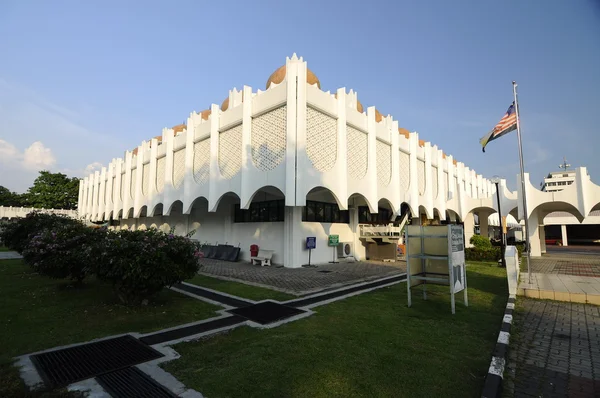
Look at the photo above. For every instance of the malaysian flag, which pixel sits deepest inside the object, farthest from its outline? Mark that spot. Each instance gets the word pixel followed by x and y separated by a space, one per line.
pixel 507 124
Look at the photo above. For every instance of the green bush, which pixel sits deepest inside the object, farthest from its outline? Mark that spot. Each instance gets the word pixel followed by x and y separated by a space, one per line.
pixel 141 263
pixel 65 251
pixel 16 235
pixel 478 254
pixel 480 242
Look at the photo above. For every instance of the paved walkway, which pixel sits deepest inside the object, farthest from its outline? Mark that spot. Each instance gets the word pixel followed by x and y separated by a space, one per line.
pixel 9 255
pixel 564 276
pixel 555 351
pixel 301 281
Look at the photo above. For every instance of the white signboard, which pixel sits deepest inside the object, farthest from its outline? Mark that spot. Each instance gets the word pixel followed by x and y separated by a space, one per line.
pixel 457 254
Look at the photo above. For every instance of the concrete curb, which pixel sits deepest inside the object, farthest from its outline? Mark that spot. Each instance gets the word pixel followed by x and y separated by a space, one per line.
pixel 493 381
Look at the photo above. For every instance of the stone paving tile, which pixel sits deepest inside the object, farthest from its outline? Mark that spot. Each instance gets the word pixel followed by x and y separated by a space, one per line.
pixel 9 255
pixel 557 263
pixel 301 280
pixel 552 351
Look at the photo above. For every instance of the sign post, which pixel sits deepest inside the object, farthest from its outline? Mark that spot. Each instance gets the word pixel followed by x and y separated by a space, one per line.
pixel 311 243
pixel 334 241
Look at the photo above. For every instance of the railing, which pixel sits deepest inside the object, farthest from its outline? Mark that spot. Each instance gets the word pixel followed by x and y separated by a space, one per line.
pixel 18 212
pixel 379 231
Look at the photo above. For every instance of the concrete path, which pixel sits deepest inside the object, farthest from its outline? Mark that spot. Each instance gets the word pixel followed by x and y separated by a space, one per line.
pixel 300 281
pixel 555 351
pixel 9 255
pixel 563 276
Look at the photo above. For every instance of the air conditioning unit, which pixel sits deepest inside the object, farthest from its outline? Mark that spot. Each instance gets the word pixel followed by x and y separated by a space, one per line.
pixel 345 249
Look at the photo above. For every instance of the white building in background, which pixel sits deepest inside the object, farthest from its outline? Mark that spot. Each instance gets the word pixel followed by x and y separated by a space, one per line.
pixel 274 167
pixel 558 180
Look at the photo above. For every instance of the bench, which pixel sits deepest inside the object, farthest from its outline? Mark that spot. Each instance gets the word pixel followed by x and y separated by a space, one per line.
pixel 264 256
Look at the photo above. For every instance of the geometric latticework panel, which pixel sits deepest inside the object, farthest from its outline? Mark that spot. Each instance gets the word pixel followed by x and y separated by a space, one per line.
pixel 384 163
pixel 178 168
pixel 357 145
pixel 269 139
pixel 434 179
pixel 230 152
pixel 321 139
pixel 133 182
pixel 445 176
pixel 105 192
pixel 404 163
pixel 146 179
pixel 421 176
pixel 202 161
pixel 160 173
pixel 112 191
pixel 122 186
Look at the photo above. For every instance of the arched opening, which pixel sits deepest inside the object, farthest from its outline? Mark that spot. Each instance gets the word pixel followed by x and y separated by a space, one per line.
pixel 143 212
pixel 130 213
pixel 452 217
pixel 157 210
pixel 176 209
pixel 565 228
pixel 323 206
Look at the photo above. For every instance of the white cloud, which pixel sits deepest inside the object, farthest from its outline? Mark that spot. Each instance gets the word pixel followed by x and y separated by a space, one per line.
pixel 92 167
pixel 38 157
pixel 34 158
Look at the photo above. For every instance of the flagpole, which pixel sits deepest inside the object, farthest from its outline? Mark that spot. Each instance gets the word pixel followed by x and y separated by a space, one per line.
pixel 527 243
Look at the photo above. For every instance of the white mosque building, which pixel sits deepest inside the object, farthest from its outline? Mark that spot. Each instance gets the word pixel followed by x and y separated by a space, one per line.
pixel 273 167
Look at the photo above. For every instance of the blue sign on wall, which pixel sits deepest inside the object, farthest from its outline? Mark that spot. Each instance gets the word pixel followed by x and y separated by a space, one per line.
pixel 311 242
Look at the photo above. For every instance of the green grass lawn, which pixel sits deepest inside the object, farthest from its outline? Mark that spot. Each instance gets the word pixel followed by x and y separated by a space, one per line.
pixel 239 289
pixel 4 249
pixel 37 313
pixel 370 345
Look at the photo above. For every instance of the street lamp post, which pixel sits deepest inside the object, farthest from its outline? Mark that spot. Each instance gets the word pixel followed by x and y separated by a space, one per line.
pixel 496 181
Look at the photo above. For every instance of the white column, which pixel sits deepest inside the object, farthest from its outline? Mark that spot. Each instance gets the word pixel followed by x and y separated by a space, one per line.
pixel 469 225
pixel 293 254
pixel 534 235
pixel 483 224
pixel 542 239
pixel 563 231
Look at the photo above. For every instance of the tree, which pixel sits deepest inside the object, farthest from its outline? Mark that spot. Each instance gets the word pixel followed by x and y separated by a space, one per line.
pixel 8 198
pixel 53 191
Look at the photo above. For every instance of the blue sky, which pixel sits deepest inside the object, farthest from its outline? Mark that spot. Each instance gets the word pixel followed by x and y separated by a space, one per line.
pixel 81 82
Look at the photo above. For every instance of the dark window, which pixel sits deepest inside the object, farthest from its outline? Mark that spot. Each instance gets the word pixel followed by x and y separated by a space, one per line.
pixel 270 211
pixel 324 212
pixel 365 217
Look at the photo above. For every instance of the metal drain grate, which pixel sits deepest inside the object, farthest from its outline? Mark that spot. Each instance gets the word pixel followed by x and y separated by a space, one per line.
pixel 132 383
pixel 62 367
pixel 266 312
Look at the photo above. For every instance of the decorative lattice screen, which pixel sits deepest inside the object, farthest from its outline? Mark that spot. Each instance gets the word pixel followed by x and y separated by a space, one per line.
pixel 269 139
pixel 230 152
pixel 145 179
pixel 178 168
pixel 202 161
pixel 404 161
pixel 384 163
pixel 421 176
pixel 160 173
pixel 357 145
pixel 321 139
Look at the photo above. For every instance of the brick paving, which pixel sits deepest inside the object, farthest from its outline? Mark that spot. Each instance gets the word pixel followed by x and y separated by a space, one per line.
pixel 559 263
pixel 301 281
pixel 555 350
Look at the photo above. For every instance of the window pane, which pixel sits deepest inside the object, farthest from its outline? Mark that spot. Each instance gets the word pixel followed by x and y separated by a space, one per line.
pixel 345 216
pixel 310 211
pixel 328 210
pixel 335 216
pixel 319 211
pixel 281 211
